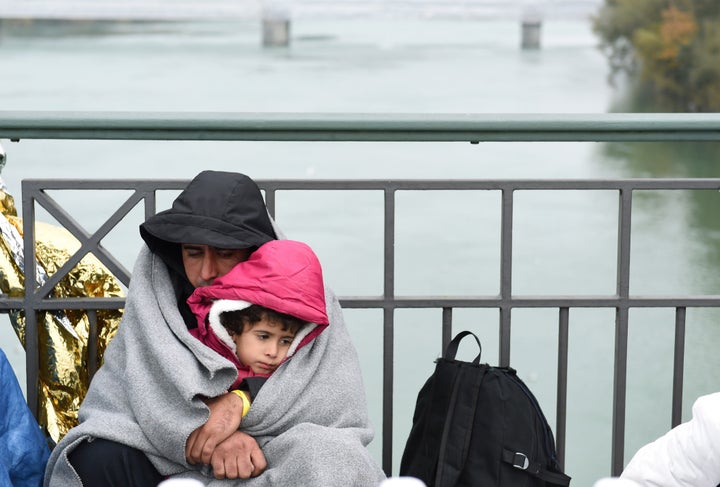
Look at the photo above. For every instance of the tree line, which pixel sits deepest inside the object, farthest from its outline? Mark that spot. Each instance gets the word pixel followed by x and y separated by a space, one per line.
pixel 671 48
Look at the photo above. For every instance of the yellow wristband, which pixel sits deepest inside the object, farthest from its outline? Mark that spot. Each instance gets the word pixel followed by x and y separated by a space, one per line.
pixel 245 399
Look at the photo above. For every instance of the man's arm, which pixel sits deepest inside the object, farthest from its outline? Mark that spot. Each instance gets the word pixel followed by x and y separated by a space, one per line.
pixel 224 420
pixel 232 453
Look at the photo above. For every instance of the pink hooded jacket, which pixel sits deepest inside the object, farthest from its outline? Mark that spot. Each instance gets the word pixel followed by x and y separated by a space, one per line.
pixel 282 275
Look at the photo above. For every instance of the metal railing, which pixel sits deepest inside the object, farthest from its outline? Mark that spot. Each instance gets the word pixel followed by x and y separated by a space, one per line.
pixel 279 127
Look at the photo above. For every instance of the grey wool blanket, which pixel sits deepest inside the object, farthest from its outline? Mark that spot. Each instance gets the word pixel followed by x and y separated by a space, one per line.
pixel 310 417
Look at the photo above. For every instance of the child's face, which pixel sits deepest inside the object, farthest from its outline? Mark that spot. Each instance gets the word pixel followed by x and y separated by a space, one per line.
pixel 263 346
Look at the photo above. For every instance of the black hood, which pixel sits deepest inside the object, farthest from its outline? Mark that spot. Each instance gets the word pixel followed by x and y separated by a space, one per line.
pixel 221 209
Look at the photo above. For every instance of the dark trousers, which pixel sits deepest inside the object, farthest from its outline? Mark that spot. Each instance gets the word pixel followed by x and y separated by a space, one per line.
pixel 101 463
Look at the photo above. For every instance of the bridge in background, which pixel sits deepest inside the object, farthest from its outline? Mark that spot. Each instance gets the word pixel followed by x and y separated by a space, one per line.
pixel 254 9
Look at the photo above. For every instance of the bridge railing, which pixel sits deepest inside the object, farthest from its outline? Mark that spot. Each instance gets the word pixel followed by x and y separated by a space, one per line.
pixel 396 128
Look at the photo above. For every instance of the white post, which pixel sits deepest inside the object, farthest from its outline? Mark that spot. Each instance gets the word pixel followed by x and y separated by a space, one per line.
pixel 531 27
pixel 275 24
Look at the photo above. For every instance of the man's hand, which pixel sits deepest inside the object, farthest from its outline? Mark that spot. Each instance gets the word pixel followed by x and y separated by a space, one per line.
pixel 224 420
pixel 238 457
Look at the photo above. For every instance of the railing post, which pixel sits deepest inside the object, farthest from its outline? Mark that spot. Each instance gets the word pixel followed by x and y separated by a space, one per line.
pixel 678 366
pixel 561 416
pixel 506 234
pixel 388 330
pixel 446 328
pixel 32 355
pixel 92 343
pixel 621 331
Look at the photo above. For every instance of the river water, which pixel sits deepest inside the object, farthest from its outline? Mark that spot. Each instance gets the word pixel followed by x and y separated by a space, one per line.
pixel 564 242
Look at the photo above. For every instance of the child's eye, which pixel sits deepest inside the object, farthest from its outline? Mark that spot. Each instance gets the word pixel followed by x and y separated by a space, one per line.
pixel 286 341
pixel 262 336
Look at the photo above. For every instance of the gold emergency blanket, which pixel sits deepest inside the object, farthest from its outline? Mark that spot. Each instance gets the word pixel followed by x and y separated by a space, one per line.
pixel 63 335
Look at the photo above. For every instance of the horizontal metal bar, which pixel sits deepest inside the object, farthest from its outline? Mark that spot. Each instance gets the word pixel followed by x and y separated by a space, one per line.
pixel 67 303
pixel 32 186
pixel 360 302
pixel 7 304
pixel 532 301
pixel 359 126
pixel 393 185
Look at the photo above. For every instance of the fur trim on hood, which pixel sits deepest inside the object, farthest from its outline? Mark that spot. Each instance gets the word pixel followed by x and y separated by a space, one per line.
pixel 218 307
pixel 222 305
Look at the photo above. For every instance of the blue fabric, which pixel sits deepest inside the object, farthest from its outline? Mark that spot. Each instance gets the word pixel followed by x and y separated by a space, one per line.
pixel 23 450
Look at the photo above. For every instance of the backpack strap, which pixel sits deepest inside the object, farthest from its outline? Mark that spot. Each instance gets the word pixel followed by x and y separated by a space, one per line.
pixel 460 414
pixel 458 426
pixel 521 461
pixel 452 347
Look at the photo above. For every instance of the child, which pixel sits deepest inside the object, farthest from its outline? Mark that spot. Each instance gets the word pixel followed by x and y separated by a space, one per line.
pixel 261 337
pixel 261 312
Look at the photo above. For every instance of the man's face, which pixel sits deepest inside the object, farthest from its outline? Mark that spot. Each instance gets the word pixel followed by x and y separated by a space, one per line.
pixel 203 264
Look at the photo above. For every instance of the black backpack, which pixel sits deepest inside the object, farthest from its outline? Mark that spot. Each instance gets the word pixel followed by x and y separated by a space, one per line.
pixel 478 425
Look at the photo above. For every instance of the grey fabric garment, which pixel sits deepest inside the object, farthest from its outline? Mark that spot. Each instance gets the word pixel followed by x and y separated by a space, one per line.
pixel 310 417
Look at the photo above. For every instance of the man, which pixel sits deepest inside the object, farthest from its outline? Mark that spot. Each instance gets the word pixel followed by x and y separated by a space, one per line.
pixel 158 406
